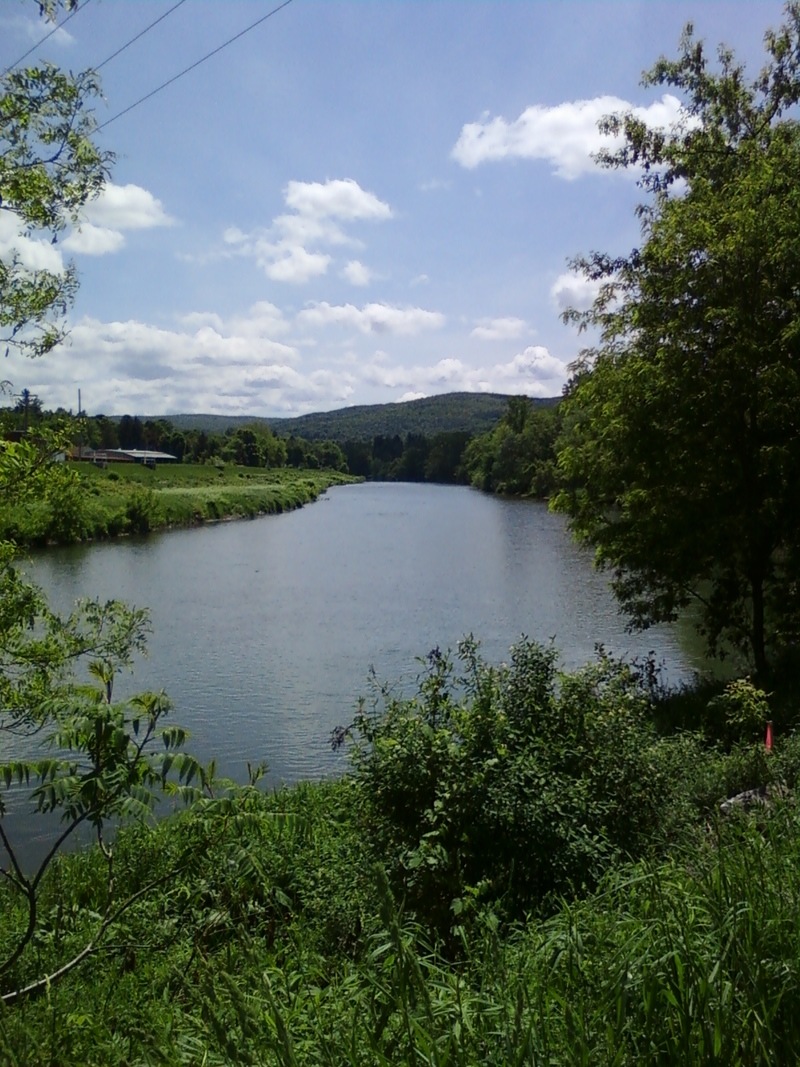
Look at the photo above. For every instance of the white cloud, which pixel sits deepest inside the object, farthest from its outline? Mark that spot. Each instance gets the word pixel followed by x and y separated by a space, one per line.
pixel 262 320
pixel 33 252
pixel 435 185
pixel 142 350
pixel 94 240
pixel 507 329
pixel 35 29
pixel 257 363
pixel 126 207
pixel 198 319
pixel 289 250
pixel 373 318
pixel 532 372
pixel 356 273
pixel 565 135
pixel 342 199
pixel 306 229
pixel 571 290
pixel 291 263
pixel 114 209
pixel 204 363
pixel 421 279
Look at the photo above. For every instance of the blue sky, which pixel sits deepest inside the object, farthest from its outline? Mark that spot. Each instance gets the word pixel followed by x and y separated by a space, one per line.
pixel 356 202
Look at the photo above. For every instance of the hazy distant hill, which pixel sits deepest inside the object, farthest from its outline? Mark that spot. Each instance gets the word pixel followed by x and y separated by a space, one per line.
pixel 471 412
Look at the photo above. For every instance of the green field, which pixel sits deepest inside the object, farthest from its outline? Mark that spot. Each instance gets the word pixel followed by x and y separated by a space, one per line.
pixel 89 502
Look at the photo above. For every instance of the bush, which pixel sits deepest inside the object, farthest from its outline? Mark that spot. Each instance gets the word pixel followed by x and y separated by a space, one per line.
pixel 511 784
pixel 141 510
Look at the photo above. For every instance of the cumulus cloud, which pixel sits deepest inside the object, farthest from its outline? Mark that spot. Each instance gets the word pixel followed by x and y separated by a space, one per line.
pixel 94 240
pixel 373 318
pixel 114 209
pixel 260 362
pixel 508 329
pixel 533 372
pixel 571 290
pixel 342 199
pixel 33 252
pixel 566 135
pixel 126 207
pixel 289 250
pixel 262 320
pixel 205 362
pixel 291 263
pixel 357 273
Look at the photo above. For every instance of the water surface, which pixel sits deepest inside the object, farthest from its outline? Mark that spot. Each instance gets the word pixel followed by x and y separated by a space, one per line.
pixel 264 631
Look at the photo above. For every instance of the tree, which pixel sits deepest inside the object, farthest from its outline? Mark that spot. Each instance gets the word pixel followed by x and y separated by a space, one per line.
pixel 681 450
pixel 84 758
pixel 49 168
pixel 28 406
pixel 518 456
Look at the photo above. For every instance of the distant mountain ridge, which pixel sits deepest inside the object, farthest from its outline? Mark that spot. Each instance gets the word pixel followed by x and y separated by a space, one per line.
pixel 445 413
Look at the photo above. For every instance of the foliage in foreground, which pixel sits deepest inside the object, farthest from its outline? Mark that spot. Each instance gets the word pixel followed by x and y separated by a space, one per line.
pixel 281 942
pixel 516 784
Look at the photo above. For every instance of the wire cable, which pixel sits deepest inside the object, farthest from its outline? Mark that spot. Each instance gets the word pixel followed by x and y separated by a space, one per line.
pixel 133 40
pixel 46 37
pixel 192 66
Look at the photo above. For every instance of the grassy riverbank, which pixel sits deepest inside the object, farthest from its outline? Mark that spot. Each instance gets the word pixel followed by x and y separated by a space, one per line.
pixel 93 503
pixel 533 869
pixel 274 938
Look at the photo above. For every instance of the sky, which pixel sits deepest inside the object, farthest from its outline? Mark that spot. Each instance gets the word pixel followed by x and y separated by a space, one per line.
pixel 356 202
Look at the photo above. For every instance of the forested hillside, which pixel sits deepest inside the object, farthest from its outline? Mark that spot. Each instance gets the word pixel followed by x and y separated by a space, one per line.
pixel 449 413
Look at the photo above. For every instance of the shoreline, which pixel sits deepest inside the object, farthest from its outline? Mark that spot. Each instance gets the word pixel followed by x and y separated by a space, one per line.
pixel 132 502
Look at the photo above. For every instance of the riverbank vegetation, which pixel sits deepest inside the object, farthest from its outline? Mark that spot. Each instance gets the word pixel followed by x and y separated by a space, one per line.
pixel 84 502
pixel 520 866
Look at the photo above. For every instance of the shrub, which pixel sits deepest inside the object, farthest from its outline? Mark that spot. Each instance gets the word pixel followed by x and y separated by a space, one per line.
pixel 141 510
pixel 512 784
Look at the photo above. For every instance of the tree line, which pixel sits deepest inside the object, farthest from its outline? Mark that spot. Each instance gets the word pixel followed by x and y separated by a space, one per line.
pixel 516 457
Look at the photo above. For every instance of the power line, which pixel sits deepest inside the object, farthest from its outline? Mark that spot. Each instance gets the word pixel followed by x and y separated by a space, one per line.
pixel 133 40
pixel 46 37
pixel 192 66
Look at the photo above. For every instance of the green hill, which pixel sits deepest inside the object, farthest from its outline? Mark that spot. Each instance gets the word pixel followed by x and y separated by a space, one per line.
pixel 447 413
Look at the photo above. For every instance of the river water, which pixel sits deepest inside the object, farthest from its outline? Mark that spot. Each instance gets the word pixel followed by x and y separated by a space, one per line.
pixel 264 631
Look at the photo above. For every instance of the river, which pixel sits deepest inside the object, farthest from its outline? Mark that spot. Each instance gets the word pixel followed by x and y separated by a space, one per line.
pixel 264 631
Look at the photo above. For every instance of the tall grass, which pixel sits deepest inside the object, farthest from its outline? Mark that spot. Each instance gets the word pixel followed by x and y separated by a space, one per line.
pixel 694 960
pixel 280 928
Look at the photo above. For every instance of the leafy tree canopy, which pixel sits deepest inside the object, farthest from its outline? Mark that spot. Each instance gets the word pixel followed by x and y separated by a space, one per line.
pixel 681 452
pixel 80 756
pixel 49 168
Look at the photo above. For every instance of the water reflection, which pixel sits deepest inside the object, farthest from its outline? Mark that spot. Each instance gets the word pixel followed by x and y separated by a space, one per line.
pixel 264 631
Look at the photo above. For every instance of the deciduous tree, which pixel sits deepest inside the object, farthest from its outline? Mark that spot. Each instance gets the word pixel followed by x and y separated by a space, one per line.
pixel 681 454
pixel 49 168
pixel 79 755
